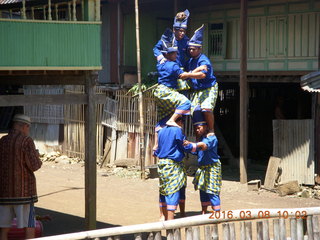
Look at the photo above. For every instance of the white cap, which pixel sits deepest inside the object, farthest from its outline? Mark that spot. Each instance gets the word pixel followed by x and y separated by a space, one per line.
pixel 22 118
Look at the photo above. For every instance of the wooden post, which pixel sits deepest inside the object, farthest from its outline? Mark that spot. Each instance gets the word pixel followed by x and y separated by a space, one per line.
pixel 44 13
pixel 141 117
pixel 232 231
pixel 24 15
pixel 215 234
pixel 138 236
pixel 69 11
pixel 242 231
pixel 243 92
pixel 32 13
pixel 97 10
pixel 74 10
pixel 276 229
pixel 90 155
pixel 248 230
pixel 56 9
pixel 49 10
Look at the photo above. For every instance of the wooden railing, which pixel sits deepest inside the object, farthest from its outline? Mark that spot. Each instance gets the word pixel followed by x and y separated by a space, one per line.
pixel 303 222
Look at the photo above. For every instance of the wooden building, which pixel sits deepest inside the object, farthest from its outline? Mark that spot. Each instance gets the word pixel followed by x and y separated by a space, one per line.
pixel 54 43
pixel 282 44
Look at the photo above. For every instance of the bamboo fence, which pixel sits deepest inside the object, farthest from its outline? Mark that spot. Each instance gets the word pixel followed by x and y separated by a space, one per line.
pixel 74 127
pixel 243 224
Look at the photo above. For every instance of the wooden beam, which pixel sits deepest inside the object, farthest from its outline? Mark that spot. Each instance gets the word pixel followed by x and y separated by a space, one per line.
pixel 42 80
pixel 243 92
pixel 263 73
pixel 56 99
pixel 90 155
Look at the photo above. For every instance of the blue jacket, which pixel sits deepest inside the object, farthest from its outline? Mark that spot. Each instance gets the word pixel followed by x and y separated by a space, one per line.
pixel 169 72
pixel 182 56
pixel 206 82
pixel 170 144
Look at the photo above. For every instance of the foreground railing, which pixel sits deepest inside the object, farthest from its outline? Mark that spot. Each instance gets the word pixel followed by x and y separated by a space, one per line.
pixel 303 225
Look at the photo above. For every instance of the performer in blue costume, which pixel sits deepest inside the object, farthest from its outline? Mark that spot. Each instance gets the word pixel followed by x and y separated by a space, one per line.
pixel 172 176
pixel 203 81
pixel 180 25
pixel 168 99
pixel 208 176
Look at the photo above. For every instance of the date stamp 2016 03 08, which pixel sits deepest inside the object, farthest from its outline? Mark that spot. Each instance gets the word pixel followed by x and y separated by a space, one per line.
pixel 247 214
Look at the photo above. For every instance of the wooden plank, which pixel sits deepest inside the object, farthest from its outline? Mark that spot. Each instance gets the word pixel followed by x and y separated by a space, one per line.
pixel 157 236
pixel 242 231
pixel 293 228
pixel 196 232
pixel 272 172
pixel 170 234
pixel 315 226
pixel 42 80
pixel 248 230
pixel 243 92
pixel 310 228
pixel 266 230
pixel 113 145
pixel 207 232
pixel 282 226
pixel 90 156
pixel 138 236
pixel 176 234
pixel 232 231
pixel 300 228
pixel 276 229
pixel 226 231
pixel 54 99
pixel 188 233
pixel 259 230
pixel 215 234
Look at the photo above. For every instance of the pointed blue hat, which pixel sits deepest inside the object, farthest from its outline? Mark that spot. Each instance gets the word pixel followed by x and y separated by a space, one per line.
pixel 197 37
pixel 181 19
pixel 198 117
pixel 168 42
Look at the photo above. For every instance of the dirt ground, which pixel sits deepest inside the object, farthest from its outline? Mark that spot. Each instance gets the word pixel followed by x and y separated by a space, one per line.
pixel 129 200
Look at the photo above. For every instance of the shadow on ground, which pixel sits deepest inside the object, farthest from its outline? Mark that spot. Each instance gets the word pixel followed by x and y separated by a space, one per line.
pixel 62 223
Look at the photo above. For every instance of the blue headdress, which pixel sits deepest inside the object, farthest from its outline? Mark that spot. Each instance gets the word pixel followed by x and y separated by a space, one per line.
pixel 181 19
pixel 197 37
pixel 198 117
pixel 168 42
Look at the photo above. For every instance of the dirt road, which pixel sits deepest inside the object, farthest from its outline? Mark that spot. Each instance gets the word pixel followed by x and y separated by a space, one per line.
pixel 125 201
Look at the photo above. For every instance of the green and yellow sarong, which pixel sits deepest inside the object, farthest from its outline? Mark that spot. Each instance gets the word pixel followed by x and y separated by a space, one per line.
pixel 205 98
pixel 172 176
pixel 208 178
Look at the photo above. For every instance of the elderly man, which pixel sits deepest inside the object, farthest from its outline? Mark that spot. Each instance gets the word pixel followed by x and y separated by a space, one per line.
pixel 19 159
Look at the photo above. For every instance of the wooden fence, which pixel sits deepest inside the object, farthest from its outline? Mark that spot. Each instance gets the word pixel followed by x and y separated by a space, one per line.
pixel 245 224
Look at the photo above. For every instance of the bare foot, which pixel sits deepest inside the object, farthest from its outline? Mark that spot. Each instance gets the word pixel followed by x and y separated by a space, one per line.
pixel 162 218
pixel 172 123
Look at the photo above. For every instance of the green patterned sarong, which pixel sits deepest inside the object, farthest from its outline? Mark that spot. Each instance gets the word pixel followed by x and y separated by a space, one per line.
pixel 172 176
pixel 208 178
pixel 205 98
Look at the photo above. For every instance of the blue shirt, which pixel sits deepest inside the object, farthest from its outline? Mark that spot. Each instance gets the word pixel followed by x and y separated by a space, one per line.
pixel 210 155
pixel 182 57
pixel 170 144
pixel 169 72
pixel 206 82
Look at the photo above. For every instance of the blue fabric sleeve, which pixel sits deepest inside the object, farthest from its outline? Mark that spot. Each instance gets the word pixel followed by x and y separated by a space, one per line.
pixel 157 49
pixel 210 142
pixel 176 70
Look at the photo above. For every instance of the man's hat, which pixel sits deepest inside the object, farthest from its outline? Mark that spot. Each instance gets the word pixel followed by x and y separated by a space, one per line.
pixel 168 42
pixel 198 117
pixel 197 37
pixel 21 118
pixel 181 19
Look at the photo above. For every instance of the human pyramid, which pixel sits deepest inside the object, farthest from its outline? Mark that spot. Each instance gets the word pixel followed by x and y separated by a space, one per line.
pixel 182 66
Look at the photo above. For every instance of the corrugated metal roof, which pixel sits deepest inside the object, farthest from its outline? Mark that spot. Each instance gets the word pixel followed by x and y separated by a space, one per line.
pixel 311 82
pixel 9 1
